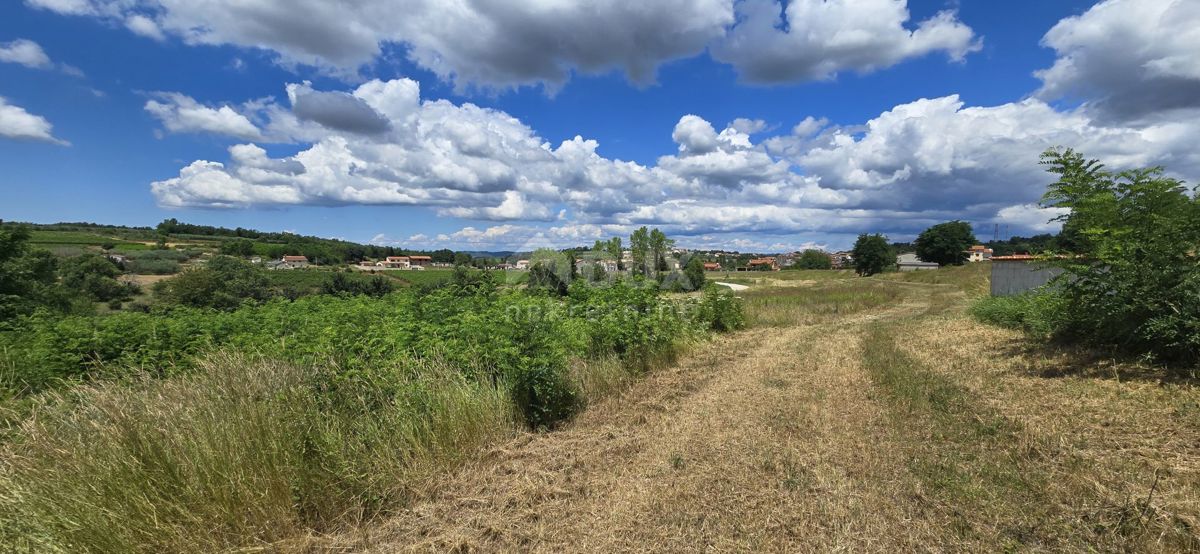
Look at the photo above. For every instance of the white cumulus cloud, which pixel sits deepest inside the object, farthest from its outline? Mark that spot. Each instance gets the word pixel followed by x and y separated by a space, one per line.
pixel 16 123
pixel 1129 59
pixel 817 39
pixel 507 43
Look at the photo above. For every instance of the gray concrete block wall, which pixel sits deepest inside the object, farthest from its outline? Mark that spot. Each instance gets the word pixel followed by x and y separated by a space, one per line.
pixel 1011 277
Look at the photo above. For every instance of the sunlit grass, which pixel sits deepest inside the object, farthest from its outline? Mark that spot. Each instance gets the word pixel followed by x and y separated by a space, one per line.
pixel 783 306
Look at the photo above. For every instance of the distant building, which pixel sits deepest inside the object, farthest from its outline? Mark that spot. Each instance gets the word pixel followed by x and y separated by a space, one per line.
pixel 419 261
pixel 521 264
pixel 289 262
pixel 712 266
pixel 978 253
pixel 910 262
pixel 394 262
pixel 841 260
pixel 760 264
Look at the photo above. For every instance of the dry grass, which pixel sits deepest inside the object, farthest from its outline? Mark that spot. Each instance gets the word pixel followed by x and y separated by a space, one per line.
pixel 800 305
pixel 1124 437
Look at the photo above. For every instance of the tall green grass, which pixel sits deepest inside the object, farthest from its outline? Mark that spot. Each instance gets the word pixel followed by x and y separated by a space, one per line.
pixel 243 452
pixel 1038 313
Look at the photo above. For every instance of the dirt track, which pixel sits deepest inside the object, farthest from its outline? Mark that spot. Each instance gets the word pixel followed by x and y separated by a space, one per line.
pixel 760 440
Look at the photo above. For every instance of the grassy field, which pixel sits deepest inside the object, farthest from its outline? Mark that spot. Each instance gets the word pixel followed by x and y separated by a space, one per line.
pixel 855 414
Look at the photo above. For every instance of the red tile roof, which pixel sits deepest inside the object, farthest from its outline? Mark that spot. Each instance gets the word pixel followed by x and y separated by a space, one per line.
pixel 295 258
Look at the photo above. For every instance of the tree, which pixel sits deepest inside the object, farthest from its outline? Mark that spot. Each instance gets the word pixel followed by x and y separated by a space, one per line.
pixel 1136 282
pixel 614 250
pixel 814 259
pixel 237 247
pixel 550 271
pixel 639 246
pixel 223 283
pixel 872 254
pixel 659 246
pixel 94 276
pixel 598 273
pixel 27 277
pixel 945 243
pixel 694 272
pixel 462 258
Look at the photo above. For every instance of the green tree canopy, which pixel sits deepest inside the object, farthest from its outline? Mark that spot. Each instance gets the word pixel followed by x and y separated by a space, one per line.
pixel 945 243
pixel 872 254
pixel 94 276
pixel 694 271
pixel 1136 283
pixel 814 259
pixel 28 278
pixel 224 283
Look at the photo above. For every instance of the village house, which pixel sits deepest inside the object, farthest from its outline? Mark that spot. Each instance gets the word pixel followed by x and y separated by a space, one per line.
pixel 419 261
pixel 712 266
pixel 763 264
pixel 841 260
pixel 394 262
pixel 521 264
pixel 289 262
pixel 978 253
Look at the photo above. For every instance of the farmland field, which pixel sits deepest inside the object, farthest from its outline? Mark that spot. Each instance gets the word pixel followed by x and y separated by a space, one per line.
pixel 854 414
pixel 858 415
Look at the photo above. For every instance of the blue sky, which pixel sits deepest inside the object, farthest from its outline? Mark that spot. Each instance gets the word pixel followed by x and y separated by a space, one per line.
pixel 888 117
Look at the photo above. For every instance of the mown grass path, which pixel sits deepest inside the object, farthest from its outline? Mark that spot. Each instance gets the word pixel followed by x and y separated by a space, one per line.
pixel 823 436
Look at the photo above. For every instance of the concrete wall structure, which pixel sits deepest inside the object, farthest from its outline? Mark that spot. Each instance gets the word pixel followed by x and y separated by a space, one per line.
pixel 1017 274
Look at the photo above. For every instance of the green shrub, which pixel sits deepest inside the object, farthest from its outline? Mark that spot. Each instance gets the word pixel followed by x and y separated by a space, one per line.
pixel 1038 313
pixel 1135 284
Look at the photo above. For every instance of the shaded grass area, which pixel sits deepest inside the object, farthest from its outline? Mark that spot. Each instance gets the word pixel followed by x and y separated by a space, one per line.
pixel 785 306
pixel 1002 487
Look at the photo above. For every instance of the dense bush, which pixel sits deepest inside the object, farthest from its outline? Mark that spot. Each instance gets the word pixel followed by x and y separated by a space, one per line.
pixel 1136 282
pixel 1037 313
pixel 141 266
pixel 814 259
pixel 524 341
pixel 223 283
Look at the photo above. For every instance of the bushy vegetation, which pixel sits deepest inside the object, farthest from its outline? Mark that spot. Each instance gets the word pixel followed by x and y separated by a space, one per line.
pixel 326 407
pixel 813 259
pixel 1135 282
pixel 500 332
pixel 1038 313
